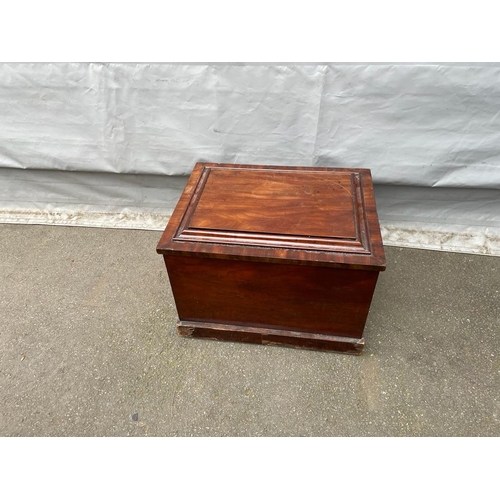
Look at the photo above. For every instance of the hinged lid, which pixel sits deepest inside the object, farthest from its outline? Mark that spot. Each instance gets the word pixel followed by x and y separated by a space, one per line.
pixel 305 215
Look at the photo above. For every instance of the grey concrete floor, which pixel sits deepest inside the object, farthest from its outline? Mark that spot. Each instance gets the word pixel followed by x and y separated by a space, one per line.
pixel 88 347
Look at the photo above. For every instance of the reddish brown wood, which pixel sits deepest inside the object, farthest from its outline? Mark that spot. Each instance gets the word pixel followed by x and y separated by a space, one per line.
pixel 267 295
pixel 267 336
pixel 254 200
pixel 255 249
pixel 364 251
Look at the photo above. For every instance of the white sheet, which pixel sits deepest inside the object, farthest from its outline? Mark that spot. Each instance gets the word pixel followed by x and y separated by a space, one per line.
pixel 413 125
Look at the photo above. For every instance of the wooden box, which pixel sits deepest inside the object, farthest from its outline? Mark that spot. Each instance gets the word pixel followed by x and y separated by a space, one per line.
pixel 275 255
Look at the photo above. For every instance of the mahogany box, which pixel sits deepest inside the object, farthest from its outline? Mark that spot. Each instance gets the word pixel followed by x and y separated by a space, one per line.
pixel 275 255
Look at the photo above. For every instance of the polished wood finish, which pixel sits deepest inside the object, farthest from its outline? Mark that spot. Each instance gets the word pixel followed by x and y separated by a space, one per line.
pixel 189 231
pixel 267 336
pixel 254 200
pixel 275 255
pixel 300 298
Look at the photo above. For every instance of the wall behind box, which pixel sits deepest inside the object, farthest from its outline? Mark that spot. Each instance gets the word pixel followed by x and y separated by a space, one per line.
pixel 111 144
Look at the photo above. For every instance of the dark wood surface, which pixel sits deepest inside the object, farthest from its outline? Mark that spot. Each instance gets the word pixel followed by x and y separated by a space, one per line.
pixel 275 255
pixel 300 298
pixel 302 215
pixel 267 336
pixel 256 200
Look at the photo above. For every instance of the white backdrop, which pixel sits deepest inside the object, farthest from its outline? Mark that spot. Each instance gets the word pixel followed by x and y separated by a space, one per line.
pixel 71 135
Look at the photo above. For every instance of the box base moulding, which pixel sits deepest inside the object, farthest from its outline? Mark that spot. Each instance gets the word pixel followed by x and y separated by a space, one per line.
pixel 265 336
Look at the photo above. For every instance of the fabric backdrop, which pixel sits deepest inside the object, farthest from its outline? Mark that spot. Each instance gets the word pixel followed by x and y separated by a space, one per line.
pixel 129 132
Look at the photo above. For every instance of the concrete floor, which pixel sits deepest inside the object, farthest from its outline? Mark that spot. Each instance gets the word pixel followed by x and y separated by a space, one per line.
pixel 88 347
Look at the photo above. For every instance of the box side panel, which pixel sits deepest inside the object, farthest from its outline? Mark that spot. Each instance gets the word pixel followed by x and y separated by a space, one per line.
pixel 290 297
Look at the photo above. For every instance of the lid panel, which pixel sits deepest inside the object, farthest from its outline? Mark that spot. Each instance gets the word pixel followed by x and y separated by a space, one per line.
pixel 277 202
pixel 304 215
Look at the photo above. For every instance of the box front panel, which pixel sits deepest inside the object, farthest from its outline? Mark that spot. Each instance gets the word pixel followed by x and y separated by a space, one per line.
pixel 281 296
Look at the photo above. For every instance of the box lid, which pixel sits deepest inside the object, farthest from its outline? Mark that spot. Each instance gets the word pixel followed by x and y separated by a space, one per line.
pixel 303 215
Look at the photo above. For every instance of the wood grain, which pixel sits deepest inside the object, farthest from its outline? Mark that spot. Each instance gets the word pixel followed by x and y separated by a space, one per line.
pixel 266 336
pixel 278 202
pixel 275 255
pixel 299 298
pixel 335 201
